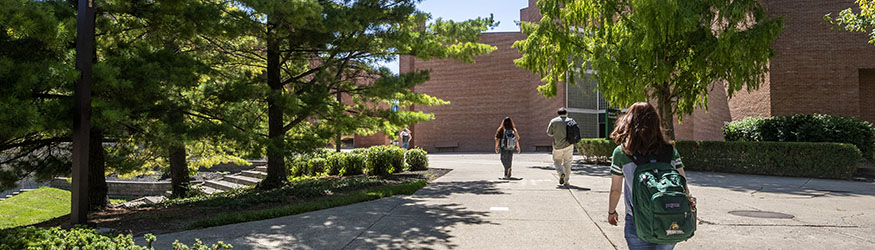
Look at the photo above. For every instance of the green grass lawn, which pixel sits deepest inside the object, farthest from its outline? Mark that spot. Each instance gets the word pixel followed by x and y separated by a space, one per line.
pixel 34 207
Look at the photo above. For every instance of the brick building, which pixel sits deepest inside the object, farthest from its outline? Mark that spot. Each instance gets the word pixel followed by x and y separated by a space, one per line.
pixel 817 70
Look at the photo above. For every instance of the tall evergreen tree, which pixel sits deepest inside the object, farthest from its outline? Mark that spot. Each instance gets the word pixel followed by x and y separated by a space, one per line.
pixel 311 50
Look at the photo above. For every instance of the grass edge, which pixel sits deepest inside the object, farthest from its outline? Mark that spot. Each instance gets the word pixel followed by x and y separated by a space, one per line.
pixel 309 206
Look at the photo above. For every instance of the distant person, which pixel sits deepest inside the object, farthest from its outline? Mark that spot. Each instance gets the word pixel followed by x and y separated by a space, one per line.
pixel 507 141
pixel 640 140
pixel 562 148
pixel 405 137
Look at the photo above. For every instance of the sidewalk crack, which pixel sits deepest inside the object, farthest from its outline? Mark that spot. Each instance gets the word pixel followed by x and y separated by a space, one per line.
pixel 592 220
pixel 372 225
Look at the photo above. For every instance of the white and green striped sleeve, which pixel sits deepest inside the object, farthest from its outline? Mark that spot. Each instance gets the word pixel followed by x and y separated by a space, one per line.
pixel 618 160
pixel 676 160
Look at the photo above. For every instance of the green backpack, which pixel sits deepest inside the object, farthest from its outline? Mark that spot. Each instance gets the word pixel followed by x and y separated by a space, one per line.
pixel 662 210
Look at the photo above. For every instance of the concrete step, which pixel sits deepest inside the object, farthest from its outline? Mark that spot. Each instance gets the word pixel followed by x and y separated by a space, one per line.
pixel 242 180
pixel 258 162
pixel 222 185
pixel 253 174
pixel 262 169
pixel 209 190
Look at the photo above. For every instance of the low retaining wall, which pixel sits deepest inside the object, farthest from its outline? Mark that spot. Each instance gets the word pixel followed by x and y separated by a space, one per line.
pixel 124 189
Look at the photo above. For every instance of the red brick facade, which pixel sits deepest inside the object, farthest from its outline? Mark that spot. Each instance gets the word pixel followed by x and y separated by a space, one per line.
pixel 481 95
pixel 817 70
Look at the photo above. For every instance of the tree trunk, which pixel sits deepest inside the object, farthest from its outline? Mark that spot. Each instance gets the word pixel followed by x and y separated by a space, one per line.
pixel 665 112
pixel 97 189
pixel 337 140
pixel 276 169
pixel 179 179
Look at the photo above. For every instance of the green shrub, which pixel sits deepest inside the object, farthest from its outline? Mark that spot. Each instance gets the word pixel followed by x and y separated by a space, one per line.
pixel 805 128
pixel 334 163
pixel 597 150
pixel 417 159
pixel 744 130
pixel 360 151
pixel 297 165
pixel 801 159
pixel 384 160
pixel 353 164
pixel 316 166
pixel 81 238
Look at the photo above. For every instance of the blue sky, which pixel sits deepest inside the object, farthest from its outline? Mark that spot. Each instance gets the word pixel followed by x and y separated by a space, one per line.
pixel 506 12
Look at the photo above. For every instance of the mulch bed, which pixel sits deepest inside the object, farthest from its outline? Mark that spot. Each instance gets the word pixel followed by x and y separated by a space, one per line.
pixel 158 220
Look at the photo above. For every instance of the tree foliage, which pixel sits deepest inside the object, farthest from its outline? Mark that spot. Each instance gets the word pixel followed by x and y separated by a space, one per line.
pixel 668 51
pixel 36 76
pixel 311 51
pixel 864 21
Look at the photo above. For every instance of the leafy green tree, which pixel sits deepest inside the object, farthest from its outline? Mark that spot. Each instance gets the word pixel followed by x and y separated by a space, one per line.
pixel 668 51
pixel 309 51
pixel 857 22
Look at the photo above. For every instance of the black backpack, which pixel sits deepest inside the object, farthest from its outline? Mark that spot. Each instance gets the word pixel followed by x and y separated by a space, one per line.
pixel 572 131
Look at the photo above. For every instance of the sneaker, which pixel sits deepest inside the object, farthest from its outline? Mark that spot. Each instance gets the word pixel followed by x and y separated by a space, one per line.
pixel 567 184
pixel 562 179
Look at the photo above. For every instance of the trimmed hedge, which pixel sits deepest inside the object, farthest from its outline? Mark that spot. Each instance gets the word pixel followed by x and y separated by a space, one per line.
pixel 82 238
pixel 377 160
pixel 417 159
pixel 800 159
pixel 805 128
pixel 384 160
pixel 334 163
pixel 316 166
pixel 353 164
pixel 597 150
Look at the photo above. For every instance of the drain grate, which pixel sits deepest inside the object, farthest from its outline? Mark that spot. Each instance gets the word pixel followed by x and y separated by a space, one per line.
pixel 761 214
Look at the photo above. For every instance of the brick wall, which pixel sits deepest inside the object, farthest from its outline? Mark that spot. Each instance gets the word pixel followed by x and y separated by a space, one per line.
pixel 481 95
pixel 867 94
pixel 363 141
pixel 817 68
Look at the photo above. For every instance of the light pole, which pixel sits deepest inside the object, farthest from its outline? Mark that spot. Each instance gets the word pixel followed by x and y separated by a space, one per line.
pixel 82 110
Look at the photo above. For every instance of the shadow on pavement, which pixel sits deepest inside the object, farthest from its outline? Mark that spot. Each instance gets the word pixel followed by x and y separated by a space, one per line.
pixel 419 226
pixel 573 187
pixel 444 189
pixel 800 186
pixel 582 169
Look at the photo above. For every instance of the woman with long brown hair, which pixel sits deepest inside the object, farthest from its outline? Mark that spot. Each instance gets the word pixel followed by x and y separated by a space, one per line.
pixel 506 141
pixel 638 134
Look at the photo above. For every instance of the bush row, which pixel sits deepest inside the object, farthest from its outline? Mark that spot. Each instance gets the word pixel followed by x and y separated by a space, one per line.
pixel 82 238
pixel 804 128
pixel 377 160
pixel 801 159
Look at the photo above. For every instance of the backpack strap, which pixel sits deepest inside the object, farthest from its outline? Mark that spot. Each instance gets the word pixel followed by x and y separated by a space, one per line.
pixel 664 155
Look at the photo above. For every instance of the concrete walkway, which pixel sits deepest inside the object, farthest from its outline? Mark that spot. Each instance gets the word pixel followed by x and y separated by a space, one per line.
pixel 470 208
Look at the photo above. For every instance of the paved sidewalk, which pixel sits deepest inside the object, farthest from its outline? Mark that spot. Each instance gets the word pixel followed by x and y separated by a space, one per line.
pixel 470 208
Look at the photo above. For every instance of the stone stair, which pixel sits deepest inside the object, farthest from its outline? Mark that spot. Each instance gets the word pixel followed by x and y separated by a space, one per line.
pixel 14 193
pixel 239 180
